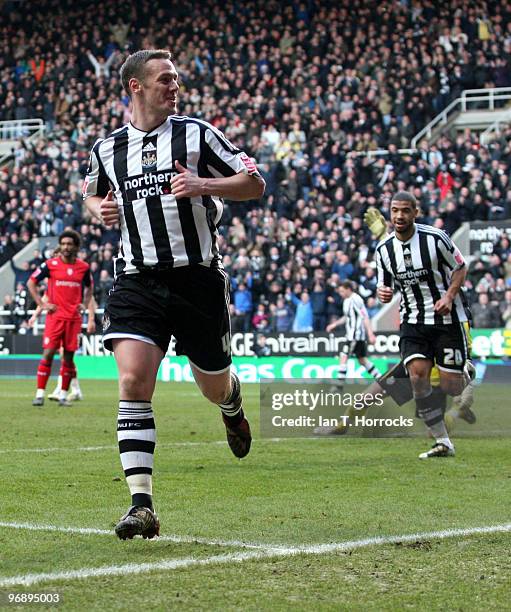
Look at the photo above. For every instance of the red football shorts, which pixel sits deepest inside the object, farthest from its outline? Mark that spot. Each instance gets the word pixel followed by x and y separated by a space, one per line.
pixel 62 332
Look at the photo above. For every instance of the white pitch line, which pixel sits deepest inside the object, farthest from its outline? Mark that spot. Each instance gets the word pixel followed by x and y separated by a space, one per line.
pixel 178 539
pixel 171 564
pixel 89 449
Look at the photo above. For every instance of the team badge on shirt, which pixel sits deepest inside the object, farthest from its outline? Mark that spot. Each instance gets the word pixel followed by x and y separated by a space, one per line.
pixel 149 157
pixel 407 255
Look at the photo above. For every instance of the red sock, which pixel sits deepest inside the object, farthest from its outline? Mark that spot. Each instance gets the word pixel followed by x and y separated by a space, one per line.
pixel 43 373
pixel 68 373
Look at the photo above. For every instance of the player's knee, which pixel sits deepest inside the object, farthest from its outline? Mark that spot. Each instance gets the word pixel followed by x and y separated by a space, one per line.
pixel 68 358
pixel 419 380
pixel 131 385
pixel 48 354
pixel 215 395
pixel 452 386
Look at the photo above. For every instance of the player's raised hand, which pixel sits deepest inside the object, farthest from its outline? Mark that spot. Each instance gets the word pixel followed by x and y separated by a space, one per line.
pixel 109 210
pixel 384 294
pixel 185 184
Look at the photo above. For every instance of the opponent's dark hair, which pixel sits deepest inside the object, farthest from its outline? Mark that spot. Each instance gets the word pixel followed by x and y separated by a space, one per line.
pixel 75 236
pixel 405 196
pixel 134 65
pixel 347 285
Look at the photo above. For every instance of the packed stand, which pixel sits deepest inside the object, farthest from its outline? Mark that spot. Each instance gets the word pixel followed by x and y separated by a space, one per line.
pixel 304 88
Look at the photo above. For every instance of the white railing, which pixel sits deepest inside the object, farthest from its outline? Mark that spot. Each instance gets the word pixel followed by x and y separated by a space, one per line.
pixel 488 98
pixel 22 128
pixel 495 94
pixel 381 152
pixel 494 129
pixel 12 131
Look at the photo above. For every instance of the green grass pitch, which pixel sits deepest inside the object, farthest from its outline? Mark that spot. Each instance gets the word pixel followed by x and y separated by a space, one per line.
pixel 60 467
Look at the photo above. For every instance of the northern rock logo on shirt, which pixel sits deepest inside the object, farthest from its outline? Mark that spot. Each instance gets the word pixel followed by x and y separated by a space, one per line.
pixel 146 185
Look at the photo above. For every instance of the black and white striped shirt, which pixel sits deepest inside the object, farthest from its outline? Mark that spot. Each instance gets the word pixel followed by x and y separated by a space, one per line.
pixel 355 312
pixel 158 231
pixel 421 269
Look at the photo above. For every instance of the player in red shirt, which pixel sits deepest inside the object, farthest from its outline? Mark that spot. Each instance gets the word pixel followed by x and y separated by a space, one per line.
pixel 68 278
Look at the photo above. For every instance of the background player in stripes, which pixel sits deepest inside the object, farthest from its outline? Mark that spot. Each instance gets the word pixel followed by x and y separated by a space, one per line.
pixel 396 382
pixel 358 331
pixel 68 278
pixel 163 177
pixel 429 270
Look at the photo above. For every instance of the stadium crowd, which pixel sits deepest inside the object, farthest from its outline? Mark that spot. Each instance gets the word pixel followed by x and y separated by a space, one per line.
pixel 305 88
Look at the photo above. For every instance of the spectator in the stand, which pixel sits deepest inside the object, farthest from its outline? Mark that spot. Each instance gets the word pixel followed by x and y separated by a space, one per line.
pixel 101 66
pixel 303 319
pixel 318 300
pixel 22 304
pixel 507 270
pixel 505 309
pixel 261 348
pixel 485 314
pixel 444 182
pixel 237 320
pixel 261 319
pixel 282 320
pixel 103 287
pixel 37 260
pixel 342 266
pixel 21 273
pixel 9 306
pixel 243 305
pixel 69 219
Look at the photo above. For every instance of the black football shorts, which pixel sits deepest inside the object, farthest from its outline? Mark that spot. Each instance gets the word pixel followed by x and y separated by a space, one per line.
pixel 396 383
pixel 445 345
pixel 358 348
pixel 190 303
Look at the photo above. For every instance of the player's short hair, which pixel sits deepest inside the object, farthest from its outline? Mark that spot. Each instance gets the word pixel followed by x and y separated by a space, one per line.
pixel 75 237
pixel 134 65
pixel 347 285
pixel 405 196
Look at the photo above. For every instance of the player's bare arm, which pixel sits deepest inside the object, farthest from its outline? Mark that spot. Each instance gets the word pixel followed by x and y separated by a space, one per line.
pixel 31 322
pixel 239 187
pixel 40 303
pixel 444 305
pixel 105 209
pixel 91 305
pixel 371 338
pixel 334 324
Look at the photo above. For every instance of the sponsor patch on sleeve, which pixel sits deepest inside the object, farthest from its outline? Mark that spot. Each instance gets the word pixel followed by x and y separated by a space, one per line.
pixel 249 164
pixel 458 258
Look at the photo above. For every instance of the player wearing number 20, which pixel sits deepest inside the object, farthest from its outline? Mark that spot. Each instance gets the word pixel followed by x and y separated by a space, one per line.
pixel 425 265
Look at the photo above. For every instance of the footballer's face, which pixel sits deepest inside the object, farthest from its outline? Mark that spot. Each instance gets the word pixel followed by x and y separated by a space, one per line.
pixel 158 89
pixel 402 216
pixel 344 292
pixel 68 249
